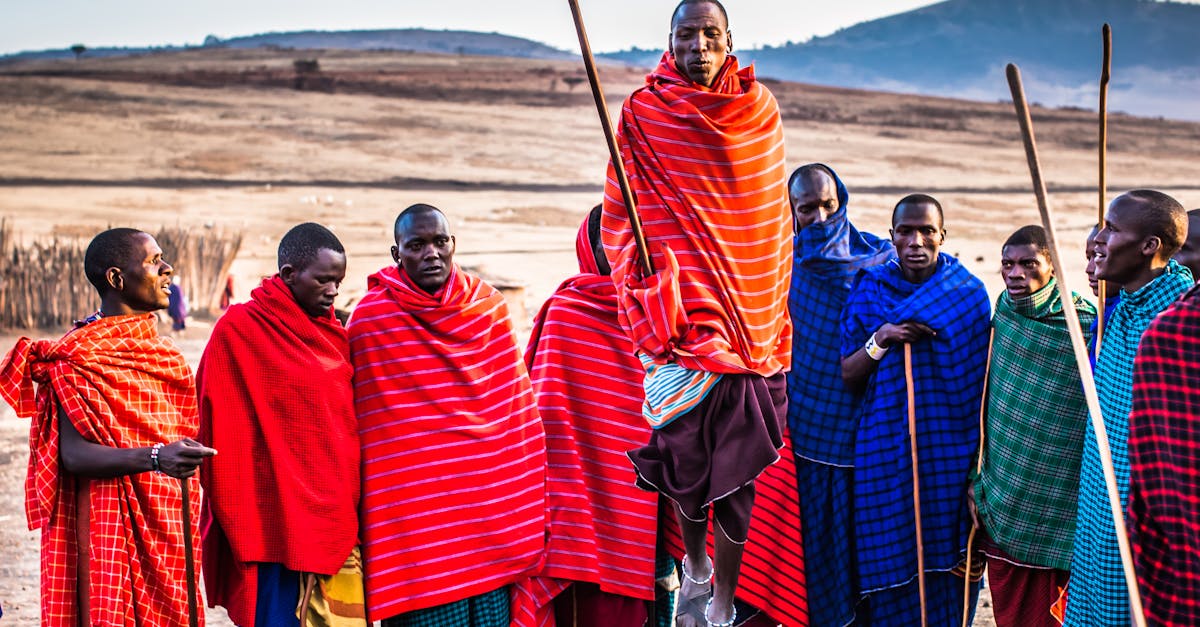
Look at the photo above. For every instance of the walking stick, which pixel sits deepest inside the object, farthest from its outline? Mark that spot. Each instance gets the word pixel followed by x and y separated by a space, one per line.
pixel 1077 343
pixel 1105 74
pixel 189 558
pixel 987 371
pixel 614 153
pixel 912 439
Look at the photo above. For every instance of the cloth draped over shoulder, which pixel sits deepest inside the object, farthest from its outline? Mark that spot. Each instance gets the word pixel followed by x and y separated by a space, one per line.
pixel 1164 443
pixel 452 447
pixel 1097 595
pixel 1036 418
pixel 828 256
pixel 948 386
pixel 602 528
pixel 276 400
pixel 707 171
pixel 123 386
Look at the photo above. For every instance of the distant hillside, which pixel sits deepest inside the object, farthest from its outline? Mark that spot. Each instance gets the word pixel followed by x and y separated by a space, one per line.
pixel 960 47
pixel 407 39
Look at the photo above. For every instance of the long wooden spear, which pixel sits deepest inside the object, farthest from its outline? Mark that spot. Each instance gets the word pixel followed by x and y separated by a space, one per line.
pixel 1077 342
pixel 614 153
pixel 189 560
pixel 912 439
pixel 1105 75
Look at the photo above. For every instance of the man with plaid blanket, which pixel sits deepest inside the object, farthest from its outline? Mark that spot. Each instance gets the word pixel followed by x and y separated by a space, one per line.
pixel 930 301
pixel 1036 415
pixel 1142 230
pixel 828 253
pixel 113 413
pixel 1164 481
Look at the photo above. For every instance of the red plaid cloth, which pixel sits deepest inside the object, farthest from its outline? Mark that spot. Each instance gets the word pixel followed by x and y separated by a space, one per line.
pixel 276 400
pixel 708 174
pixel 454 457
pixel 587 381
pixel 1164 465
pixel 123 386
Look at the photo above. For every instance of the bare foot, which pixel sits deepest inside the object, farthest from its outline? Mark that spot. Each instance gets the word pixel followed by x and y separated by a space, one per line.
pixel 719 612
pixel 693 597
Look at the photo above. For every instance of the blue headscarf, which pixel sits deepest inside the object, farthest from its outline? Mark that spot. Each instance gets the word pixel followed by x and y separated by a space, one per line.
pixel 828 255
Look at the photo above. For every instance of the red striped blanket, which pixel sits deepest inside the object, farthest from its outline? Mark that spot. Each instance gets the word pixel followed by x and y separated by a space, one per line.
pixel 707 169
pixel 123 386
pixel 453 450
pixel 772 576
pixel 588 385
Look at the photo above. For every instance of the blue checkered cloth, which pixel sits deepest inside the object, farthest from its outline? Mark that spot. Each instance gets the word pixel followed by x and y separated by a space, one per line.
pixel 1097 595
pixel 828 255
pixel 490 609
pixel 826 517
pixel 948 380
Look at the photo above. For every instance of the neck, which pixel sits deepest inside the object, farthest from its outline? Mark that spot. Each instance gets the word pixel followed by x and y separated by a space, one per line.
pixel 918 276
pixel 113 307
pixel 1151 272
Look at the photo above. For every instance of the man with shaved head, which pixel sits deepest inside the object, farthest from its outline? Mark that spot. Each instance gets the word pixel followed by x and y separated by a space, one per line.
pixel 1142 230
pixel 927 300
pixel 113 409
pixel 829 254
pixel 276 396
pixel 453 452
pixel 702 143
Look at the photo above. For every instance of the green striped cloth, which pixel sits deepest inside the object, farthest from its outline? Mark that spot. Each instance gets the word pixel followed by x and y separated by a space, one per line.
pixel 1036 418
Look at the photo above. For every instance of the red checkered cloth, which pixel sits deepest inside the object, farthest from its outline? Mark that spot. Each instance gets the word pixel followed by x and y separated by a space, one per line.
pixel 276 400
pixel 454 456
pixel 1164 465
pixel 707 169
pixel 123 386
pixel 587 381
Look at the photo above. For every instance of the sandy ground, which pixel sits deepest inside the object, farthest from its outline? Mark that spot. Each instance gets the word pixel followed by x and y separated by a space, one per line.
pixel 506 148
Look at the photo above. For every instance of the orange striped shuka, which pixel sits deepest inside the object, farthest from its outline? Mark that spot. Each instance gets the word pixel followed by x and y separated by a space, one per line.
pixel 603 528
pixel 707 169
pixel 453 498
pixel 123 386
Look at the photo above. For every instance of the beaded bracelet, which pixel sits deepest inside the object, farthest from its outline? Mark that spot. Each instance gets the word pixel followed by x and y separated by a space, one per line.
pixel 154 457
pixel 874 350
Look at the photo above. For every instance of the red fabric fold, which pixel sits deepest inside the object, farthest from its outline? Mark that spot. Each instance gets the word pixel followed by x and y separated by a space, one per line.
pixel 708 174
pixel 276 400
pixel 453 449
pixel 588 385
pixel 123 386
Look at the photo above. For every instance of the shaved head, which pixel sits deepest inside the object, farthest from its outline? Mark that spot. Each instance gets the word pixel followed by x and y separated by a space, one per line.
pixel 114 248
pixel 686 3
pixel 302 244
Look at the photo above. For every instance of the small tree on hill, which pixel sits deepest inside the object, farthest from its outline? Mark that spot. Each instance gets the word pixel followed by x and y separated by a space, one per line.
pixel 78 49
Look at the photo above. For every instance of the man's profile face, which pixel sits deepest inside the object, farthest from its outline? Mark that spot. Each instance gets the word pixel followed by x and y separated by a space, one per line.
pixel 144 281
pixel 1189 255
pixel 918 235
pixel 425 249
pixel 1122 249
pixel 1090 251
pixel 316 285
pixel 1025 269
pixel 700 41
pixel 814 198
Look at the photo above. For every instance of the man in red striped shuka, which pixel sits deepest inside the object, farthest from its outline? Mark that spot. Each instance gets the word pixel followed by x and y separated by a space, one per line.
pixel 453 452
pixel 280 516
pixel 703 144
pixel 113 416
pixel 600 554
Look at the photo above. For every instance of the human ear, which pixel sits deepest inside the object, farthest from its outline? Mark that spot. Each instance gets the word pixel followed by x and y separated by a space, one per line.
pixel 729 41
pixel 396 254
pixel 1151 246
pixel 114 278
pixel 287 272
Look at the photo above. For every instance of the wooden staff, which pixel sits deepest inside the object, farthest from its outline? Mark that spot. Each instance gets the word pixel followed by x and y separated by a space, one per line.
pixel 912 439
pixel 1105 74
pixel 189 559
pixel 614 153
pixel 1080 347
pixel 987 371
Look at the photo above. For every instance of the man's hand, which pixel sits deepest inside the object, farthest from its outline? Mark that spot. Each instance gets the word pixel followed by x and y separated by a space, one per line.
pixel 890 335
pixel 181 458
pixel 971 508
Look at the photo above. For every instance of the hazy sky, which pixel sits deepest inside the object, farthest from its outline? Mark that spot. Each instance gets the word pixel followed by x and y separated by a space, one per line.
pixel 612 24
